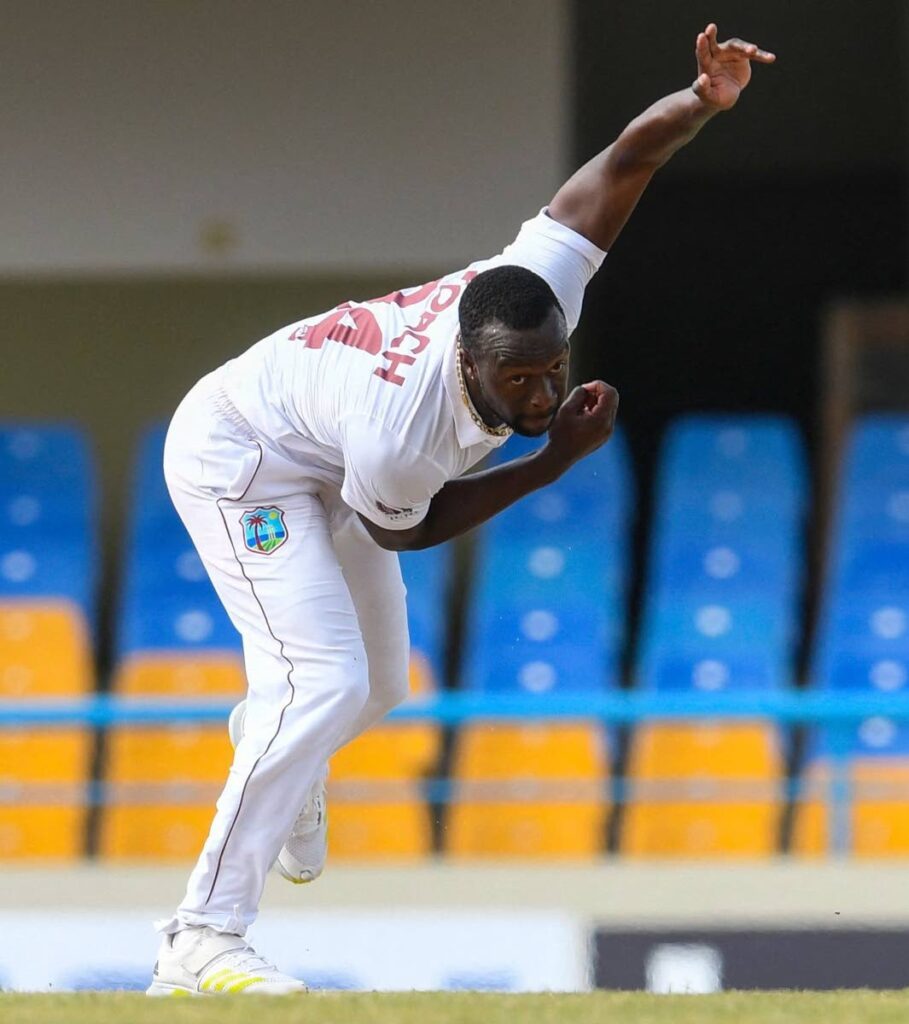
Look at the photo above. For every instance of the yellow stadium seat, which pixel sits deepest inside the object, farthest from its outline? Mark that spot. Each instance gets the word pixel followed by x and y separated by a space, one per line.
pixel 159 831
pixel 181 676
pixel 533 791
pixel 377 811
pixel 392 823
pixel 163 784
pixel 878 821
pixel 43 775
pixel 45 650
pixel 703 790
pixel 182 769
pixel 45 832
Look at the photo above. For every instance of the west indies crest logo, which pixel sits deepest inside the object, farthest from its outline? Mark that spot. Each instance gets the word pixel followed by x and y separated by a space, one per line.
pixel 264 529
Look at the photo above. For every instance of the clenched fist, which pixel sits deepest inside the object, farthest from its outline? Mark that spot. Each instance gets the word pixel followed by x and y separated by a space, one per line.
pixel 585 421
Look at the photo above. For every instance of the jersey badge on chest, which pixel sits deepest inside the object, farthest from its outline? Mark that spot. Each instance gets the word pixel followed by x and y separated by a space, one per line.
pixel 264 529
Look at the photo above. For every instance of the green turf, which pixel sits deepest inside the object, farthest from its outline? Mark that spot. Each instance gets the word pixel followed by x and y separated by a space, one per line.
pixel 853 1007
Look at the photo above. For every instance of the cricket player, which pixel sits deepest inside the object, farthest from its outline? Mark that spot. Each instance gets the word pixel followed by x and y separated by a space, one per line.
pixel 301 467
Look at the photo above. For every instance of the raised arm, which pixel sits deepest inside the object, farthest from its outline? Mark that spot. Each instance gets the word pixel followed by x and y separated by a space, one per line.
pixel 598 199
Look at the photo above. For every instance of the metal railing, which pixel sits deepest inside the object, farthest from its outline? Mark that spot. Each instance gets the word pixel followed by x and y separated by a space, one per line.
pixel 840 712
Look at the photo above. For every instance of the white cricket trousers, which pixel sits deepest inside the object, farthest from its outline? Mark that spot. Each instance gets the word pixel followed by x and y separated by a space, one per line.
pixel 324 629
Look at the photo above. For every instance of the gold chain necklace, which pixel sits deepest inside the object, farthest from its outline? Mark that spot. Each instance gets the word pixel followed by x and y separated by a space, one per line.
pixel 503 430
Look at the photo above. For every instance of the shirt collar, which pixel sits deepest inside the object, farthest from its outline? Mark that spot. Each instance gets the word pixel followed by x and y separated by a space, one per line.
pixel 468 433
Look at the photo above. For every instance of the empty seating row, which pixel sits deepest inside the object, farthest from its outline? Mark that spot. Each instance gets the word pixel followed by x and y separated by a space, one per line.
pixel 545 614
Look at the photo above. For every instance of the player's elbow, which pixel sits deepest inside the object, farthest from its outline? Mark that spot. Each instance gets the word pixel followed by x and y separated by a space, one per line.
pixel 411 539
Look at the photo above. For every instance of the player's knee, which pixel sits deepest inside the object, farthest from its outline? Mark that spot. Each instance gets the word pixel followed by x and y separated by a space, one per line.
pixel 348 687
pixel 392 692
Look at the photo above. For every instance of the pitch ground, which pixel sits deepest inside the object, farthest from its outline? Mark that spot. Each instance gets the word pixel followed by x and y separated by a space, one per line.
pixel 465 1008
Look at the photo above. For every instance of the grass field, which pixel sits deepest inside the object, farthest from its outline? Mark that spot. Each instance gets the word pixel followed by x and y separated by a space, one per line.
pixel 853 1007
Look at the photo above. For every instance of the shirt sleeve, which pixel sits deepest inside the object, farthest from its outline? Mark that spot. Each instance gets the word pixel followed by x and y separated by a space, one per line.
pixel 386 480
pixel 563 258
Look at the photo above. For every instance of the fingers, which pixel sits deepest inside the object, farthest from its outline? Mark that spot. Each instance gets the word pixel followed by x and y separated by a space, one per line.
pixel 603 399
pixel 576 399
pixel 732 49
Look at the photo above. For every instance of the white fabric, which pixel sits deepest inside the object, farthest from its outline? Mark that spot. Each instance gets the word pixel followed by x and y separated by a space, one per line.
pixel 359 409
pixel 304 612
pixel 366 396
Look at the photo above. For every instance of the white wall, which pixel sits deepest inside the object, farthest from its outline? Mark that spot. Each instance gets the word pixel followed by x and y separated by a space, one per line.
pixel 318 134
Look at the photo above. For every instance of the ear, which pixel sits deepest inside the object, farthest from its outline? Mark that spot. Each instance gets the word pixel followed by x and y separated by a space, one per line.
pixel 468 361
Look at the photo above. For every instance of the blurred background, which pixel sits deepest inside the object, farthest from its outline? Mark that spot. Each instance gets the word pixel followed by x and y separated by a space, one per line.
pixel 659 737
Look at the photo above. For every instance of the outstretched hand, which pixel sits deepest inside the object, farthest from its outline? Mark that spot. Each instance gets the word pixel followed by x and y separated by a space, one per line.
pixel 724 69
pixel 585 420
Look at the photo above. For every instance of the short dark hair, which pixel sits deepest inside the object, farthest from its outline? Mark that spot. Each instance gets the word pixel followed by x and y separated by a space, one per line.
pixel 512 296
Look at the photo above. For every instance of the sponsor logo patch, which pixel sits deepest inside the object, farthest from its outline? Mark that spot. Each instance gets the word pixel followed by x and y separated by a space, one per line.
pixel 394 513
pixel 264 529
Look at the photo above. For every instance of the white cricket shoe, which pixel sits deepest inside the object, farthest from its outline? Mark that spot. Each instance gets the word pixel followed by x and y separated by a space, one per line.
pixel 205 962
pixel 302 857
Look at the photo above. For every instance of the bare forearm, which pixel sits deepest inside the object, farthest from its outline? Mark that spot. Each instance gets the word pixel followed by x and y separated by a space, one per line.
pixel 468 501
pixel 599 198
pixel 656 134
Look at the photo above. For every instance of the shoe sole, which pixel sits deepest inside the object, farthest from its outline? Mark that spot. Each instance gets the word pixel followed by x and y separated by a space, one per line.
pixel 159 988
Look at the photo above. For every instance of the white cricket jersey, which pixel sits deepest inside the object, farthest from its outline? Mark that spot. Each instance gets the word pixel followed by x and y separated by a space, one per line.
pixel 367 395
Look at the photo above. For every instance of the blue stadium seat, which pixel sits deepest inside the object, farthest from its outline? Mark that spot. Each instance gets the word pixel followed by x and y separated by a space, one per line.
pixel 596 494
pixel 546 608
pixel 870 671
pixel 47 456
pixel 38 567
pixel 48 499
pixel 725 564
pixel 427 576
pixel 722 571
pixel 713 672
pixel 747 453
pixel 176 622
pixel 877 737
pixel 878 453
pixel 536 648
pixel 537 567
pixel 167 602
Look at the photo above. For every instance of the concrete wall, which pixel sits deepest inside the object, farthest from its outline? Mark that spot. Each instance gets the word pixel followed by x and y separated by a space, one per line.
pixel 621 894
pixel 163 134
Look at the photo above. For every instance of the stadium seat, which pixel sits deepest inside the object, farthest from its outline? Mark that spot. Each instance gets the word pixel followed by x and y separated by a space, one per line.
pixel 46 771
pixel 703 790
pixel 375 788
pixel 378 811
pixel 47 495
pixel 878 825
pixel 749 453
pixel 45 650
pixel 162 785
pixel 48 567
pixel 725 562
pixel 427 576
pixel 862 645
pixel 530 791
pixel 875 759
pixel 536 647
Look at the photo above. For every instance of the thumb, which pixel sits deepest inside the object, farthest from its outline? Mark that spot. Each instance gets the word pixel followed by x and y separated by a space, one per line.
pixel 576 401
